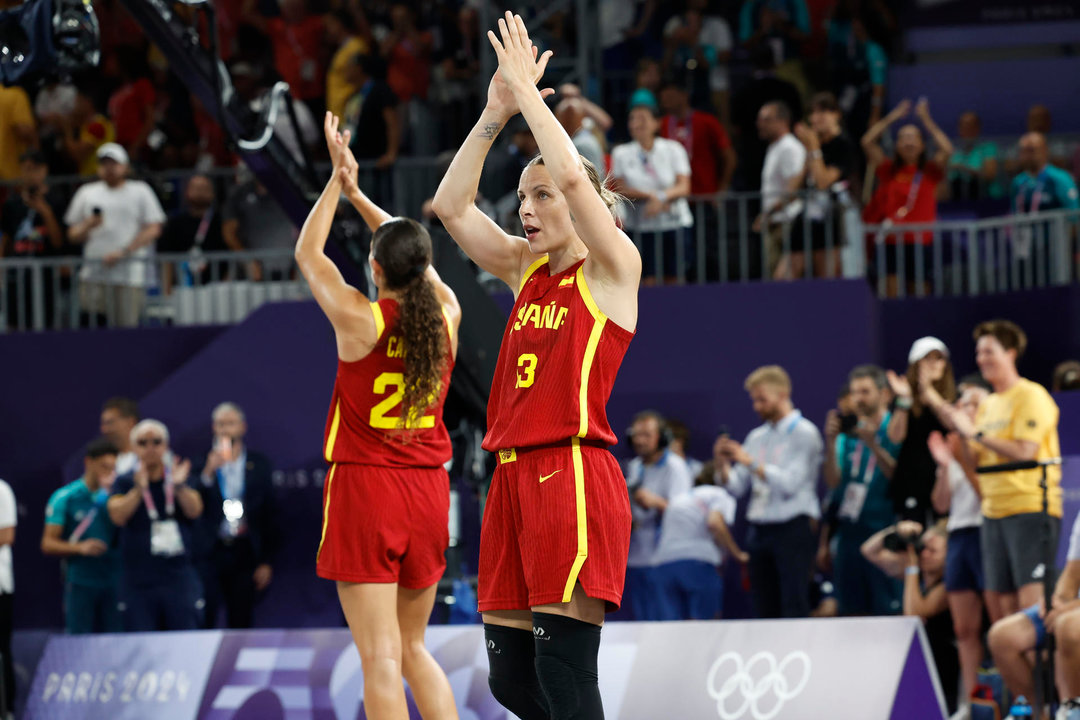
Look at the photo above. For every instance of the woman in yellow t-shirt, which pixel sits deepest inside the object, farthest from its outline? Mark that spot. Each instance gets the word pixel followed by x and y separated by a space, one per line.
pixel 1018 421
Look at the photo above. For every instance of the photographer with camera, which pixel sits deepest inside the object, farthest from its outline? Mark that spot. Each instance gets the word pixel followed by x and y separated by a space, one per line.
pixel 858 466
pixel 905 551
pixel 779 463
pixel 654 478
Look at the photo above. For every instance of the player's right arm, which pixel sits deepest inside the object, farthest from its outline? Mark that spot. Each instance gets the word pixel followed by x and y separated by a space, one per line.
pixel 502 255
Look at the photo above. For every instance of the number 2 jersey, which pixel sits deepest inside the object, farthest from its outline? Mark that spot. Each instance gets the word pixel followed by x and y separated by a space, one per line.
pixel 365 409
pixel 557 364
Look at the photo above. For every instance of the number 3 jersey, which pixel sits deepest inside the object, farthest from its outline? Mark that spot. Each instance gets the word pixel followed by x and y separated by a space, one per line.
pixel 557 364
pixel 364 422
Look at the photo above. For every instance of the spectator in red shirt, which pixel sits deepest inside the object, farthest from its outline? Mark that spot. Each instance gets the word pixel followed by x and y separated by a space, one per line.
pixel 712 157
pixel 297 39
pixel 131 106
pixel 407 51
pixel 907 190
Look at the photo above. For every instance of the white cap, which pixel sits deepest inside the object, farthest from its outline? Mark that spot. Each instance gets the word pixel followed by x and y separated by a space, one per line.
pixel 923 347
pixel 113 151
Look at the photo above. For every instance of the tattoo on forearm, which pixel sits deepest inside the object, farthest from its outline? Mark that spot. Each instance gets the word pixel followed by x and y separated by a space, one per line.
pixel 490 130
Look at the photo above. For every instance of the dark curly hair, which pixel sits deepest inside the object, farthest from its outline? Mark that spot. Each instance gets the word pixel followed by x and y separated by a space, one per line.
pixel 402 247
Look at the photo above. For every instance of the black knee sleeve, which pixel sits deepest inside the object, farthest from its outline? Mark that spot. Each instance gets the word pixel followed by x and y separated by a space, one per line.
pixel 566 651
pixel 512 673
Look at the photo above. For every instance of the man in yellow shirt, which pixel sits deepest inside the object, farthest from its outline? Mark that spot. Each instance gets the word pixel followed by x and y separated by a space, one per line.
pixel 1018 421
pixel 17 130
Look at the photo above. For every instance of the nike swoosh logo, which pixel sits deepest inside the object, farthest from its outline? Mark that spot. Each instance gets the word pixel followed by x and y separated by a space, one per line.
pixel 545 477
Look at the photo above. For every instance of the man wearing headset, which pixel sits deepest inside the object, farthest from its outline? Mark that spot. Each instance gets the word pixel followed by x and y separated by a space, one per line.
pixel 779 463
pixel 654 477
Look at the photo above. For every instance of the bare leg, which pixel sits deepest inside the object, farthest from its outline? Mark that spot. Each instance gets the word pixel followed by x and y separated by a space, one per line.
pixel 1010 641
pixel 371 610
pixel 428 682
pixel 581 607
pixel 966 609
pixel 1067 634
pixel 1000 605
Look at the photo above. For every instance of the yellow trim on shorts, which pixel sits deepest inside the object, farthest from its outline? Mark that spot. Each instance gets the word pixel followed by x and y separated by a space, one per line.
pixel 582 520
pixel 529 271
pixel 329 452
pixel 380 324
pixel 599 320
pixel 326 510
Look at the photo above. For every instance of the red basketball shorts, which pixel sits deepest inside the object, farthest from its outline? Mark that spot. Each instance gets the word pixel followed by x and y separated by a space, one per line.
pixel 555 516
pixel 384 525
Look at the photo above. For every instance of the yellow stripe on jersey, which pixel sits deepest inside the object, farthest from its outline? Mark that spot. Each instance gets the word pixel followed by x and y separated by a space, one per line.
pixel 380 324
pixel 329 453
pixel 449 323
pixel 326 510
pixel 582 520
pixel 599 320
pixel 528 273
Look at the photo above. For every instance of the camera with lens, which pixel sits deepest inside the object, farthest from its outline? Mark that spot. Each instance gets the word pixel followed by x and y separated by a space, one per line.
pixel 899 542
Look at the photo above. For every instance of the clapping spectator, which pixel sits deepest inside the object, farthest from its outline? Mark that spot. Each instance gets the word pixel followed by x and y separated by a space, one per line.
pixel 117 221
pixel 830 163
pixel 928 383
pixel 973 167
pixel 905 552
pixel 778 465
pixel 194 229
pixel 343 33
pixel 155 508
pixel 29 228
pixel 858 470
pixel 956 494
pixel 655 477
pixel 695 538
pixel 701 44
pixel 906 191
pixel 655 173
pixel 781 178
pixel 78 529
pixel 238 522
pixel 18 131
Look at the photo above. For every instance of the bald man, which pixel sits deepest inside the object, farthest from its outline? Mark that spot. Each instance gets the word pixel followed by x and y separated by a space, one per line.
pixel 1041 186
pixel 571 114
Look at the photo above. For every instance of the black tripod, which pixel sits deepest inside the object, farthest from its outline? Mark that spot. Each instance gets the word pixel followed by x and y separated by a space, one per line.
pixel 1045 691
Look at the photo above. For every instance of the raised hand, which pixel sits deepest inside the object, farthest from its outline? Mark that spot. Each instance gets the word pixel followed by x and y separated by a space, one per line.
pixel 939 448
pixel 180 473
pixel 922 109
pixel 900 385
pixel 518 63
pixel 901 110
pixel 337 143
pixel 346 172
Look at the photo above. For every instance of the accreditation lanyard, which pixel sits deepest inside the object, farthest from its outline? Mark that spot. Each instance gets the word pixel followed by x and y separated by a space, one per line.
pixel 776 452
pixel 222 485
pixel 871 463
pixel 170 499
pixel 1036 196
pixel 84 525
pixel 912 196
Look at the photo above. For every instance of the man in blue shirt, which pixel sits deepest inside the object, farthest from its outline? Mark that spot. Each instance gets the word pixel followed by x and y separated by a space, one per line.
pixel 1040 185
pixel 155 509
pixel 859 467
pixel 78 528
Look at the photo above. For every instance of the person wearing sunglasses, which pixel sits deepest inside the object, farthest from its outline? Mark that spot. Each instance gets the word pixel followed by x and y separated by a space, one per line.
pixel 155 509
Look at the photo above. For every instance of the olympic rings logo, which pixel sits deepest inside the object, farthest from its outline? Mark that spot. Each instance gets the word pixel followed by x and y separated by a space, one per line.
pixel 756 681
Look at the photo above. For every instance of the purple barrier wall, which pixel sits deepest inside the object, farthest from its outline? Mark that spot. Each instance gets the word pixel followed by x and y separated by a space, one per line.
pixel 54 384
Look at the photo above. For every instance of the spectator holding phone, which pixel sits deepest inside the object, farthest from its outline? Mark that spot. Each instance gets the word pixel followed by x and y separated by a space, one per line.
pixel 779 463
pixel 905 551
pixel 78 529
pixel 155 509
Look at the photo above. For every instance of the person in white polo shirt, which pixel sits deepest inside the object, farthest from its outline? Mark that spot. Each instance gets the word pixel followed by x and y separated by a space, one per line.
pixel 8 520
pixel 654 173
pixel 117 221
pixel 781 179
pixel 779 463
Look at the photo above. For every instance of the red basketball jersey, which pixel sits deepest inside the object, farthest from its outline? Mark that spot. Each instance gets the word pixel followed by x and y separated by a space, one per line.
pixel 362 426
pixel 557 364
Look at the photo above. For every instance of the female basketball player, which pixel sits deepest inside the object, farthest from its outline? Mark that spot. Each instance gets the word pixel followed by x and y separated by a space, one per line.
pixel 387 496
pixel 556 526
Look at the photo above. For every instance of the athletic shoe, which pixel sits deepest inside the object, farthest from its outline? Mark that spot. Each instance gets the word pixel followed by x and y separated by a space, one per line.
pixel 1069 710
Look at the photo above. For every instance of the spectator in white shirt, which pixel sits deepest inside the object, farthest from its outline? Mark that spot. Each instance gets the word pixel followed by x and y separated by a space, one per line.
pixel 779 463
pixel 694 536
pixel 781 178
pixel 654 172
pixel 654 478
pixel 956 494
pixel 118 222
pixel 8 520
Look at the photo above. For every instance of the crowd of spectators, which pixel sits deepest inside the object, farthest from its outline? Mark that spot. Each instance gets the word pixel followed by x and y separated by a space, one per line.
pixel 902 522
pixel 152 542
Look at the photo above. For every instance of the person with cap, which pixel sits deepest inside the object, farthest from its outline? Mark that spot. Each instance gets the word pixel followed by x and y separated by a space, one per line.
pixel 928 383
pixel 117 221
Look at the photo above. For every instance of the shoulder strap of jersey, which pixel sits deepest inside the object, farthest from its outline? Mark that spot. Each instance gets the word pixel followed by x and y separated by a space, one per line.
pixel 530 270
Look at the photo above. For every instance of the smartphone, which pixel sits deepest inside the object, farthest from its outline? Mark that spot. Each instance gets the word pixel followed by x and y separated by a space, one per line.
pixel 848 423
